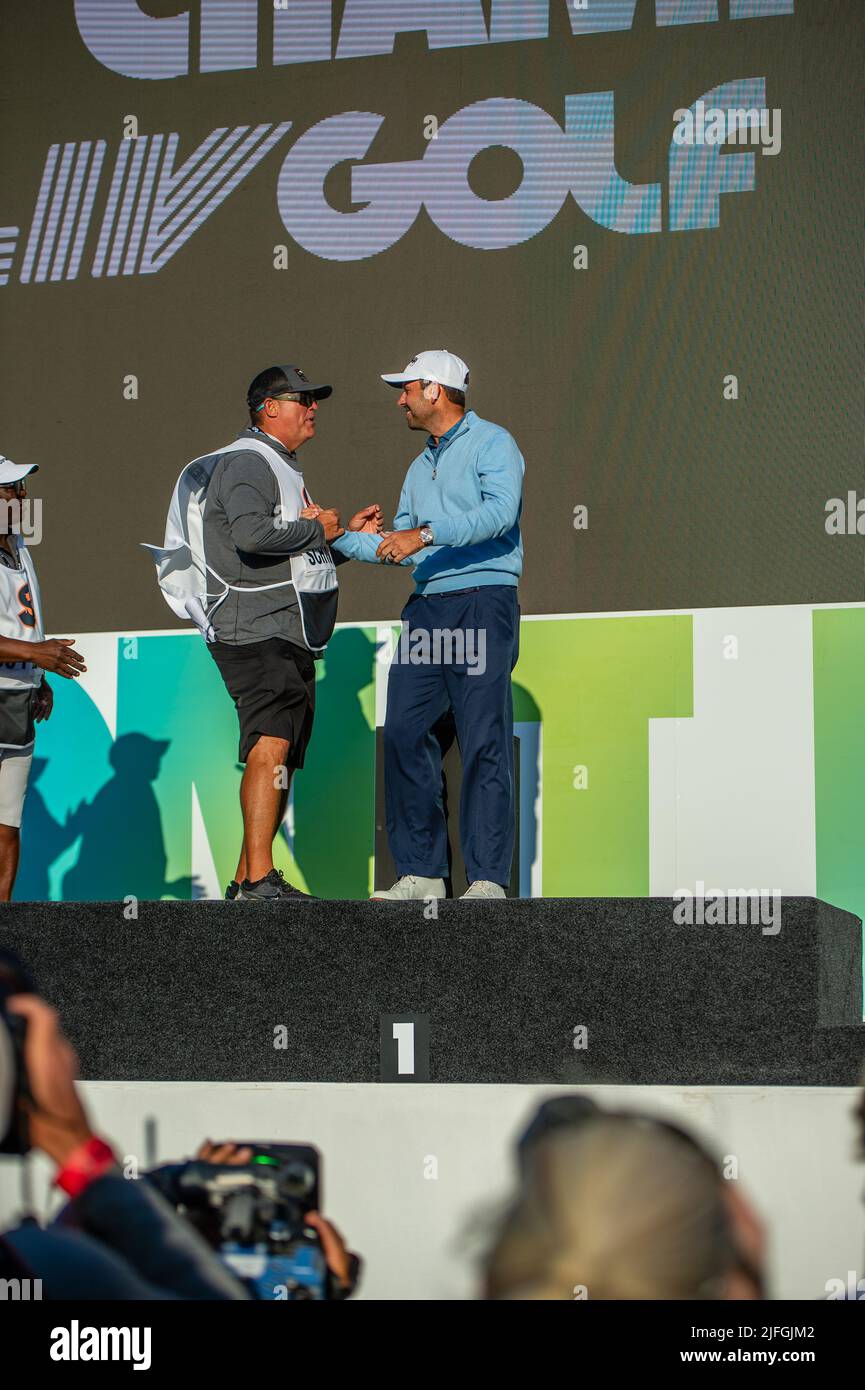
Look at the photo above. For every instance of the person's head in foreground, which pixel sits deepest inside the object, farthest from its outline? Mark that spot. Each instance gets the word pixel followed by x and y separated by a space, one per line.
pixel 620 1206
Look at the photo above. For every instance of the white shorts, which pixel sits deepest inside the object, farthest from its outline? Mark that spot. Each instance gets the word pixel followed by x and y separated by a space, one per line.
pixel 14 772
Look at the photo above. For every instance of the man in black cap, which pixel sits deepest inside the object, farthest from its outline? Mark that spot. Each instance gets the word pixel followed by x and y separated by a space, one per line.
pixel 271 596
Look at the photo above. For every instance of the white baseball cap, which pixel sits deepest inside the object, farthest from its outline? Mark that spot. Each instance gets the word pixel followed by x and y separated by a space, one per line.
pixel 437 365
pixel 13 472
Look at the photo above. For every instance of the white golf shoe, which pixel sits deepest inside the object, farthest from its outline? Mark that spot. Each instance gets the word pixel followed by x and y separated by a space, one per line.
pixel 411 888
pixel 484 889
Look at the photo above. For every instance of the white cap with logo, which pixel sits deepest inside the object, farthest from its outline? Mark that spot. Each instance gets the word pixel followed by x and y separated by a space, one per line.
pixel 438 365
pixel 13 472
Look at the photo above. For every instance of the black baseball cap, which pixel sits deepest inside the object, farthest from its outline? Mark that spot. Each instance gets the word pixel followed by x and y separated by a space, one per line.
pixel 275 381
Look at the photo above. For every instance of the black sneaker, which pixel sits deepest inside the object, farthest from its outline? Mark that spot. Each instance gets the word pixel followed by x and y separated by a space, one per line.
pixel 289 891
pixel 232 890
pixel 272 888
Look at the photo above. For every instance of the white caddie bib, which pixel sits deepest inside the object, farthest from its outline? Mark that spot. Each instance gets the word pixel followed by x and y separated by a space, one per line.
pixel 185 577
pixel 21 619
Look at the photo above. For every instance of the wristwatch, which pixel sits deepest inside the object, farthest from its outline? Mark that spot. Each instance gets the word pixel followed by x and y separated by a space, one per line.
pixel 426 534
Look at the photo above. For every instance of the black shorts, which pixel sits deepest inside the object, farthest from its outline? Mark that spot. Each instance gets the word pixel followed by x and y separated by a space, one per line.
pixel 272 684
pixel 17 729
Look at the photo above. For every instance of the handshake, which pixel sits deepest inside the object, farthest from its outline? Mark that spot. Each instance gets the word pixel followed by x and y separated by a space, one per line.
pixel 367 519
pixel 395 547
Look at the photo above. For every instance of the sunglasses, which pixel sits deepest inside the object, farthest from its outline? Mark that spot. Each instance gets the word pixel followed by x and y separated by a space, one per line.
pixel 304 398
pixel 17 488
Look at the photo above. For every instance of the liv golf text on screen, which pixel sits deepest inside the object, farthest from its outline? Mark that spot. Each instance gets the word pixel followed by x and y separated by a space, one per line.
pixel 127 206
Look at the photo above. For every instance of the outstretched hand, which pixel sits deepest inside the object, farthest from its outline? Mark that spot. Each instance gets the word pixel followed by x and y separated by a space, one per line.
pixel 56 654
pixel 368 519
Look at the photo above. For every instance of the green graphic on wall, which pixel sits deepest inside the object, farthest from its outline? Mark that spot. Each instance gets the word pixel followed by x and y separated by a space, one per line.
pixel 597 683
pixel 839 756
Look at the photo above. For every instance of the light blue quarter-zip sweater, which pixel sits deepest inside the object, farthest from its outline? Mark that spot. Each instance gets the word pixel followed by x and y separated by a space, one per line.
pixel 470 492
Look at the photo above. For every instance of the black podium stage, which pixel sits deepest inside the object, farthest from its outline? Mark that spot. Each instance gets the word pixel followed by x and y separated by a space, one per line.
pixel 564 991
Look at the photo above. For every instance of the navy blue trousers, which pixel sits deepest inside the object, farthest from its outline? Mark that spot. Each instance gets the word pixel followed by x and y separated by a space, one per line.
pixel 455 651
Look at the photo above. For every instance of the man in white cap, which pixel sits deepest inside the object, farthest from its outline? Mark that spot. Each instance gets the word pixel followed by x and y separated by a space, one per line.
pixel 25 656
pixel 458 524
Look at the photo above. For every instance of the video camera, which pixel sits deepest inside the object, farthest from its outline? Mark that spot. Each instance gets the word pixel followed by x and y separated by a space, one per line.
pixel 253 1215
